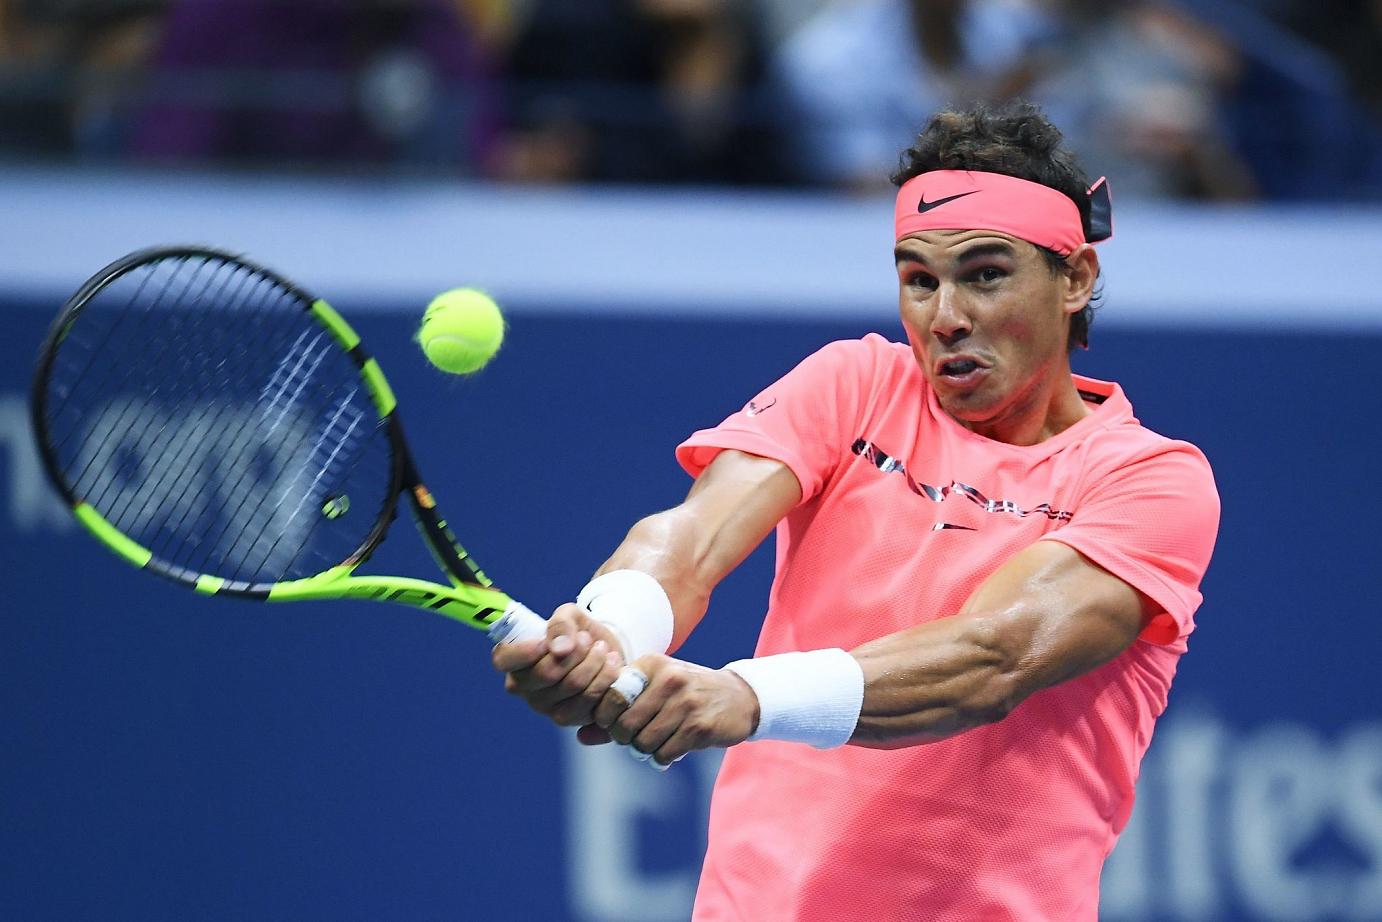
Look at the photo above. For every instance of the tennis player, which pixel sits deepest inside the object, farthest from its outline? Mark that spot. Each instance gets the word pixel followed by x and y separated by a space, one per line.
pixel 987 570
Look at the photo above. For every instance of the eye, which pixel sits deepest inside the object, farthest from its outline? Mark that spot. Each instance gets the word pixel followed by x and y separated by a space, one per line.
pixel 988 275
pixel 924 281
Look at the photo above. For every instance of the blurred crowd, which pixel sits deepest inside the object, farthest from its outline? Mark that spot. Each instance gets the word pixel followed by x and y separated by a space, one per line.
pixel 1222 99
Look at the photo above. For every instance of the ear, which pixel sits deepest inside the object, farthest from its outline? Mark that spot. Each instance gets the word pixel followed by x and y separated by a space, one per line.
pixel 1083 265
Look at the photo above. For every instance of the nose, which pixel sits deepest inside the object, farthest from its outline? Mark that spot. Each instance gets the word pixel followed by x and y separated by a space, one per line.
pixel 950 323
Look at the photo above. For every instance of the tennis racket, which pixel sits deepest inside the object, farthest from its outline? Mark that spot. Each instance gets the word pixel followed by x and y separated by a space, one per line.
pixel 211 422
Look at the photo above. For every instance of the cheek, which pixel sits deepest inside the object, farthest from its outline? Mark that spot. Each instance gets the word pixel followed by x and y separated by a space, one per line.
pixel 1030 324
pixel 1015 331
pixel 912 312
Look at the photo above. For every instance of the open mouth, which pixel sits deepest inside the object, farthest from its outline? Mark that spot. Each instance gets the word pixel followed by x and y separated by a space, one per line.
pixel 961 371
pixel 958 367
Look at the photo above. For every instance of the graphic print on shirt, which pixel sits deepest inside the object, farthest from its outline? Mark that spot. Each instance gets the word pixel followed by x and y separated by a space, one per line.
pixel 888 465
pixel 753 409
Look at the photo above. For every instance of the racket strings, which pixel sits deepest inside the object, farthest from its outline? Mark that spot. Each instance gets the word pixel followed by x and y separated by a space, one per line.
pixel 340 442
pixel 145 360
pixel 149 426
pixel 234 488
pixel 237 486
pixel 284 393
pixel 192 462
pixel 86 385
pixel 178 442
pixel 174 466
pixel 201 409
pixel 347 475
pixel 324 436
pixel 234 491
pixel 100 382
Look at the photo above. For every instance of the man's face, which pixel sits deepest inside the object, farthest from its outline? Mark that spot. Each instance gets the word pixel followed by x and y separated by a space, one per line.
pixel 988 322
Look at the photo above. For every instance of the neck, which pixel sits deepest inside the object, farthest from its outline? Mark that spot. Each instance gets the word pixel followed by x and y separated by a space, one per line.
pixel 1047 408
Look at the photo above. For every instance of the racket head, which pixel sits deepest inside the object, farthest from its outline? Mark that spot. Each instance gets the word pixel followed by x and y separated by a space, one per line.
pixel 212 422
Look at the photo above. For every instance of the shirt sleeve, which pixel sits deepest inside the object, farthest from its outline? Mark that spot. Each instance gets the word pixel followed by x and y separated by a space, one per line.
pixel 803 419
pixel 1152 523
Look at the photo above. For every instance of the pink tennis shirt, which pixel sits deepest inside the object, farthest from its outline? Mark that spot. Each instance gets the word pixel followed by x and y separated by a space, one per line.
pixel 903 514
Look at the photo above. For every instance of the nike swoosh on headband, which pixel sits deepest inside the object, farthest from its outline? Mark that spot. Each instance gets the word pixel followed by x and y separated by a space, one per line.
pixel 924 206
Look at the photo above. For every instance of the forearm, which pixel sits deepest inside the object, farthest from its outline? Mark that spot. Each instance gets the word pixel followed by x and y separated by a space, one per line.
pixel 689 549
pixel 1046 616
pixel 668 547
pixel 941 678
pixel 1043 618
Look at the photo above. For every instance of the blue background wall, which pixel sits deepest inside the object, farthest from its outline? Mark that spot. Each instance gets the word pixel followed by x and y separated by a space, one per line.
pixel 169 757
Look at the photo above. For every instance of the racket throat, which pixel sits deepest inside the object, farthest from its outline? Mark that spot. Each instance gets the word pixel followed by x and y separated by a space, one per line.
pixel 477 606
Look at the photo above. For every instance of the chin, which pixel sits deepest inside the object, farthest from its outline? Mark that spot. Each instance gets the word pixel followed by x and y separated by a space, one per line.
pixel 970 407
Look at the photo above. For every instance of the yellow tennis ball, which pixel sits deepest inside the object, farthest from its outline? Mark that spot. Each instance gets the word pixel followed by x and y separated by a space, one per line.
pixel 461 330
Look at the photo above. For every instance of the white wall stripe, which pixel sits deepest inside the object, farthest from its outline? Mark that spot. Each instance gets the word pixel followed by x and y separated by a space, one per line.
pixel 397 242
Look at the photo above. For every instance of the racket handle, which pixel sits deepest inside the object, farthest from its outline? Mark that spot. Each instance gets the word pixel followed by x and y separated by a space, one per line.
pixel 518 622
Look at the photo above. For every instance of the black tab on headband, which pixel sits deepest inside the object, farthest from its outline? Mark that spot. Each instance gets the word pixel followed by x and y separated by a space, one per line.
pixel 1100 211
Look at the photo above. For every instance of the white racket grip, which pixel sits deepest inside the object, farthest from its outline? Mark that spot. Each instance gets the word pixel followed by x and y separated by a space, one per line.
pixel 518 622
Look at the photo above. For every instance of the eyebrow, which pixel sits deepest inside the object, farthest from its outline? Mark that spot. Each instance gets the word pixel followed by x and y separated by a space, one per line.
pixel 987 249
pixel 902 254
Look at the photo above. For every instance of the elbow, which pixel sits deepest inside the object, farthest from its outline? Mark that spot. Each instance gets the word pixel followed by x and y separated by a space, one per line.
pixel 990 699
pixel 995 700
pixel 998 683
pixel 973 679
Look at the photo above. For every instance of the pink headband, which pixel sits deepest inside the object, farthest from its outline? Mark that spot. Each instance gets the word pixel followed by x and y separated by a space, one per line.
pixel 965 200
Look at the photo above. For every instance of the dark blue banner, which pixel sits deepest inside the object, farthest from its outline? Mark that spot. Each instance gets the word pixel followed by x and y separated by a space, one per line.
pixel 167 756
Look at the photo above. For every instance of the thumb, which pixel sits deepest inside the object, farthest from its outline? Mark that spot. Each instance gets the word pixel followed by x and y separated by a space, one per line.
pixel 518 654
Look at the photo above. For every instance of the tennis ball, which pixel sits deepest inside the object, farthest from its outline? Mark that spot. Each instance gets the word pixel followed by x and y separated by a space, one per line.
pixel 461 330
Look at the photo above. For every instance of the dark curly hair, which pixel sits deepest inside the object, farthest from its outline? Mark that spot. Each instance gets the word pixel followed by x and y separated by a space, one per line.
pixel 1017 139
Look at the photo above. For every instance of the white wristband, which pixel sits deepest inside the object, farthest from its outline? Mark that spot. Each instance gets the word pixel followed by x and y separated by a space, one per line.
pixel 633 605
pixel 813 697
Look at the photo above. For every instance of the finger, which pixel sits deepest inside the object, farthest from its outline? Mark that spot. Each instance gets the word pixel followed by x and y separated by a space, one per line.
pixel 633 718
pixel 561 645
pixel 581 674
pixel 571 613
pixel 677 747
pixel 573 686
pixel 522 654
pixel 581 619
pixel 615 702
pixel 657 731
pixel 562 629
pixel 580 709
pixel 552 668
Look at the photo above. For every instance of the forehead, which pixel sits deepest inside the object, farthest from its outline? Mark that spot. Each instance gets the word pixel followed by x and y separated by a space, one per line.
pixel 938 246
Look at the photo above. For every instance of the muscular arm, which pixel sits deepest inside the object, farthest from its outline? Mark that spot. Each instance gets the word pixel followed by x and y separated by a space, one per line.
pixel 1045 616
pixel 732 506
pixel 736 501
